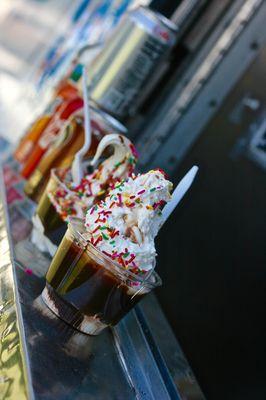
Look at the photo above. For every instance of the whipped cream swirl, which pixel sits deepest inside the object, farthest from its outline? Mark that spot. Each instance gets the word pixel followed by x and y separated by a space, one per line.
pixel 125 224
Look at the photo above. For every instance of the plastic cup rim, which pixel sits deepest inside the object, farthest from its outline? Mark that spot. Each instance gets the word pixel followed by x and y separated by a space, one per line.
pixel 146 280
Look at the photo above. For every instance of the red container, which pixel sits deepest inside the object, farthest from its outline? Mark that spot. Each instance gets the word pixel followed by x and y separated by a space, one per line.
pixel 66 110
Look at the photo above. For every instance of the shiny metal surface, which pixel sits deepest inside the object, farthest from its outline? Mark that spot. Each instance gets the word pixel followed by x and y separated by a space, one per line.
pixel 185 10
pixel 13 377
pixel 131 361
pixel 172 131
pixel 132 54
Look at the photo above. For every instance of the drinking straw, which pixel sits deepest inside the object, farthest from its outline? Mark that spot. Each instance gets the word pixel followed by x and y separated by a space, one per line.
pixel 179 193
pixel 77 170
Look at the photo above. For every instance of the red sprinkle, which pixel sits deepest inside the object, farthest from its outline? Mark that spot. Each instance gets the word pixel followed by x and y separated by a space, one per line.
pixel 98 240
pixel 141 191
pixel 107 254
pixel 134 151
pixel 103 220
pixel 28 271
pixel 96 229
pixel 122 262
pixel 162 172
pixel 131 259
pixel 107 212
pixel 120 199
pixel 115 233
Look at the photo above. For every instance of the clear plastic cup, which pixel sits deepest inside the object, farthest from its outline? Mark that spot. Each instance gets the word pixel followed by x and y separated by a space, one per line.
pixel 46 219
pixel 87 289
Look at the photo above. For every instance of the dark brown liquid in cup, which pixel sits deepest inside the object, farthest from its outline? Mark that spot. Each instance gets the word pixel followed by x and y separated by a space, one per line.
pixel 54 226
pixel 88 286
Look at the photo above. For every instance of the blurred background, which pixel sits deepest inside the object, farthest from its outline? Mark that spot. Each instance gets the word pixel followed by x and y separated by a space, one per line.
pixel 205 105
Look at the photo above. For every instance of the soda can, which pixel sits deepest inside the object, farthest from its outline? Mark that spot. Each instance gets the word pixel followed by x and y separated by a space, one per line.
pixel 139 44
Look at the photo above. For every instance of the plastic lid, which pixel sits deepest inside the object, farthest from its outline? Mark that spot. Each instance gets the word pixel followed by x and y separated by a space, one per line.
pixel 109 120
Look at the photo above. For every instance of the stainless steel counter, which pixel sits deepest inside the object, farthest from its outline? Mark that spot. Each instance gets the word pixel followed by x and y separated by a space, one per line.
pixel 43 358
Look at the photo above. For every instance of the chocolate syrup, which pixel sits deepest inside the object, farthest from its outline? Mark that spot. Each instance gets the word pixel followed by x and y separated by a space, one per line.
pixel 88 286
pixel 53 224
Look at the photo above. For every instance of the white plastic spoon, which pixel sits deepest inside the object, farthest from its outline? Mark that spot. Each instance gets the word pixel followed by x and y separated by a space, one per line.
pixel 179 193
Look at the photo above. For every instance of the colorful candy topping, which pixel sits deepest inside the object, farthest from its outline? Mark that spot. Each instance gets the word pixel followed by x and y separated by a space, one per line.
pixel 124 225
pixel 74 200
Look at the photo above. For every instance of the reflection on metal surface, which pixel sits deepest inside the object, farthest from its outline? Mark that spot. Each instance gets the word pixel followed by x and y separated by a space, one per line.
pixel 148 379
pixel 13 380
pixel 156 328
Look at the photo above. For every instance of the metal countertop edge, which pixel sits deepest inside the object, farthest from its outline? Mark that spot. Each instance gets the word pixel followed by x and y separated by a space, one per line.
pixel 144 365
pixel 158 357
pixel 27 387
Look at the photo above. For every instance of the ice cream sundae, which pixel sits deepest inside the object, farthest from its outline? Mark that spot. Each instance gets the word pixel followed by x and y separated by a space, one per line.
pixel 63 198
pixel 105 263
